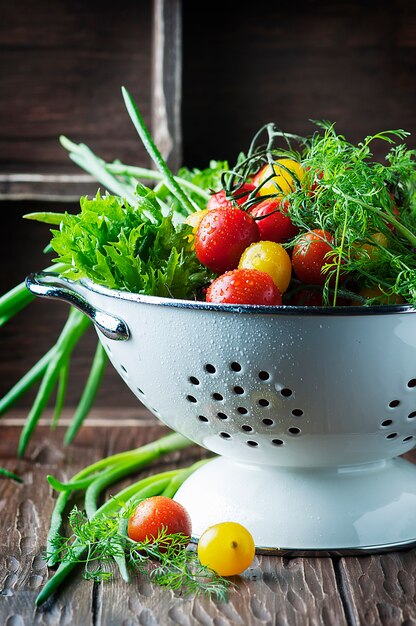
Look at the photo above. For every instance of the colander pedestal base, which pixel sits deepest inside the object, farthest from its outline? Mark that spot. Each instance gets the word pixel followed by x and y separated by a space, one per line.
pixel 370 507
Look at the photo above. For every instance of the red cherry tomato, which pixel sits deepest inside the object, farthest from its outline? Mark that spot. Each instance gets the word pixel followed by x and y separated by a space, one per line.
pixel 222 236
pixel 219 199
pixel 256 179
pixel 314 184
pixel 273 221
pixel 155 513
pixel 305 297
pixel 244 286
pixel 309 256
pixel 312 297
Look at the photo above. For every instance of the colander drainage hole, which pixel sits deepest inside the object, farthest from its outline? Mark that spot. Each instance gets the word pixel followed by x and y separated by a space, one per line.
pixel 297 412
pixel 123 369
pixel 236 367
pixel 247 428
pixel 412 383
pixel 387 422
pixel 286 392
pixel 242 410
pixel 141 392
pixel 238 390
pixel 252 444
pixel 411 415
pixel 191 398
pixel 392 436
pixel 222 416
pixel 293 430
pixel 217 396
pixel 408 438
pixel 264 402
pixel 277 442
pixel 202 418
pixel 210 368
pixel 225 435
pixel 267 421
pixel 263 375
pixel 394 403
pixel 193 380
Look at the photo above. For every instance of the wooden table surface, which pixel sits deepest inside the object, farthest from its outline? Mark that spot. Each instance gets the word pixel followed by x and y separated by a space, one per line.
pixel 365 590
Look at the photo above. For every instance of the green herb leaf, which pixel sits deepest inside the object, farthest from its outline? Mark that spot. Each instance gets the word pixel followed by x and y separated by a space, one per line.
pixel 133 248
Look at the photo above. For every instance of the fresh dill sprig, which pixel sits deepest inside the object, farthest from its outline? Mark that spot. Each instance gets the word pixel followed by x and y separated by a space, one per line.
pixel 346 192
pixel 167 560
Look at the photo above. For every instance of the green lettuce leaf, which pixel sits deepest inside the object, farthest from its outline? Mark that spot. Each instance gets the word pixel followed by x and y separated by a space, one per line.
pixel 137 249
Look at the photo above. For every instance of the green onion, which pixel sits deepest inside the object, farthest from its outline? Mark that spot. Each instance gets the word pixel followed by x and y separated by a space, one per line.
pixel 90 391
pixel 153 151
pixel 75 327
pixel 7 474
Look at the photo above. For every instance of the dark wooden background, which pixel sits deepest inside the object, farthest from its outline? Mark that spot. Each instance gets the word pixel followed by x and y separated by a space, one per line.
pixel 61 68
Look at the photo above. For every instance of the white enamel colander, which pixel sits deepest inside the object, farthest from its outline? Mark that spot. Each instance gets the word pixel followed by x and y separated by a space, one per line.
pixel 309 410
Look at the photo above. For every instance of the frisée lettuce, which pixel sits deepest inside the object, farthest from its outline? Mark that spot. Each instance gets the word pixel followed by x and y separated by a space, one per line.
pixel 139 248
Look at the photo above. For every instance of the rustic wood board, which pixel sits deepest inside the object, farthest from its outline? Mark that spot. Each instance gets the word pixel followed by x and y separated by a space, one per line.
pixel 273 591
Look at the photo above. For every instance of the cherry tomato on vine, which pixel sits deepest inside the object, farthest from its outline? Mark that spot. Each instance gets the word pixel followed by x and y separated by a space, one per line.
pixel 273 221
pixel 219 199
pixel 377 292
pixel 222 236
pixel 244 286
pixel 310 255
pixel 372 250
pixel 280 178
pixel 269 257
pixel 227 548
pixel 305 297
pixel 257 176
pixel 314 182
pixel 155 513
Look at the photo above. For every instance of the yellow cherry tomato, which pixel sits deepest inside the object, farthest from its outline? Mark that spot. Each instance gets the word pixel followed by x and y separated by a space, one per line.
pixel 376 292
pixel 287 174
pixel 269 257
pixel 372 250
pixel 227 548
pixel 193 220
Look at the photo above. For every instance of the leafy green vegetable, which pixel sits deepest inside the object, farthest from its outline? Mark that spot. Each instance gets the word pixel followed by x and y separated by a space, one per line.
pixel 133 248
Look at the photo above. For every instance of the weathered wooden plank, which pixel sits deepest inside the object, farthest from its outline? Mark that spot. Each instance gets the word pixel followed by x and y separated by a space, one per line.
pixel 274 591
pixel 62 71
pixel 48 187
pixel 24 524
pixel 381 589
pixel 166 80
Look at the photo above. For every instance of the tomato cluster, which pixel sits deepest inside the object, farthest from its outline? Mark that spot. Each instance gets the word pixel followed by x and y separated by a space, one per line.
pixel 241 237
pixel 227 548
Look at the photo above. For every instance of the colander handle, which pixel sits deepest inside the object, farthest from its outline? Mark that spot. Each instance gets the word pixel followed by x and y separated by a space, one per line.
pixel 52 286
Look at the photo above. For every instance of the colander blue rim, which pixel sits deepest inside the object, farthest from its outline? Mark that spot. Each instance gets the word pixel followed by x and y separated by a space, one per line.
pixel 249 309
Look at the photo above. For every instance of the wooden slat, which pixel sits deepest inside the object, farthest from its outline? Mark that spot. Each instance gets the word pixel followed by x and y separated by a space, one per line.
pixel 273 591
pixel 381 590
pixel 50 187
pixel 166 80
pixel 62 70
